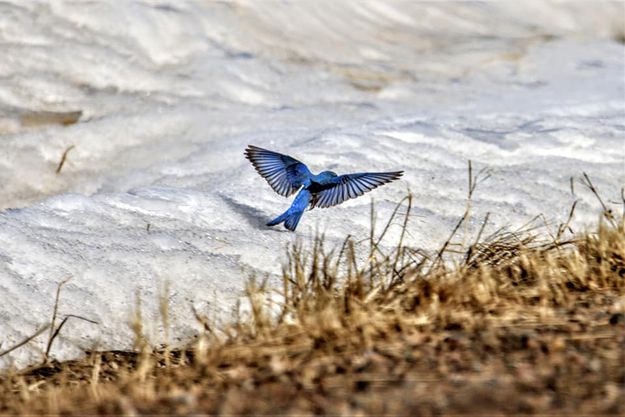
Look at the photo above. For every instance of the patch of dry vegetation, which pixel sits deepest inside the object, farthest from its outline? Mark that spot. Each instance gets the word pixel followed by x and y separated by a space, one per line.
pixel 515 324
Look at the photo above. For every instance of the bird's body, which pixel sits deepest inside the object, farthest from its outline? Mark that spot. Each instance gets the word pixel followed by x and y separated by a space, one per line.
pixel 286 175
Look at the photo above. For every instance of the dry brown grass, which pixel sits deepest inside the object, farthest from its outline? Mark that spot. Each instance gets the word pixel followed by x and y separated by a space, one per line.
pixel 514 324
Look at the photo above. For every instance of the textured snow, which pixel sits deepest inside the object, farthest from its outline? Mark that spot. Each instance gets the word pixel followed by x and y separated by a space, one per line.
pixel 156 189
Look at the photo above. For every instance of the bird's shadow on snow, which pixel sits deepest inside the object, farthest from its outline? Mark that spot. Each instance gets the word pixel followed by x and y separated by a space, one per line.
pixel 254 217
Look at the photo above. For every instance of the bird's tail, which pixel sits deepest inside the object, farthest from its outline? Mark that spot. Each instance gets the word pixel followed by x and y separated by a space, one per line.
pixel 290 218
pixel 278 219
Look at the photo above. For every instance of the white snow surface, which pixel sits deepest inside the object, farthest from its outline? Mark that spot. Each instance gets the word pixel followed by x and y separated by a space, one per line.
pixel 171 92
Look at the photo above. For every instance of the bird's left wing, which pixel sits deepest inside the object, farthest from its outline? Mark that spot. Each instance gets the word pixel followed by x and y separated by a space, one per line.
pixel 348 186
pixel 283 173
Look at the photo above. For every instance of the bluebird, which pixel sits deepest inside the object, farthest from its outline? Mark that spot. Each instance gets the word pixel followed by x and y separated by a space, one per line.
pixel 286 175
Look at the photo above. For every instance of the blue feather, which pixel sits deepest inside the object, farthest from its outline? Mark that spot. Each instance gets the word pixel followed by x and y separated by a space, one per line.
pixel 344 187
pixel 283 173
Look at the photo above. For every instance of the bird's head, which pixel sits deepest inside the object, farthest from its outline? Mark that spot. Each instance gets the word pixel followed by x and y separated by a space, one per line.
pixel 327 174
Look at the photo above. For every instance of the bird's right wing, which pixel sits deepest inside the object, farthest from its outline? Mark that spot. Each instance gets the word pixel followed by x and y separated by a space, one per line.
pixel 348 186
pixel 283 173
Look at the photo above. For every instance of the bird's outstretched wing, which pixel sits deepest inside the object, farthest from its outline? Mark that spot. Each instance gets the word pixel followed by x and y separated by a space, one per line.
pixel 348 186
pixel 285 174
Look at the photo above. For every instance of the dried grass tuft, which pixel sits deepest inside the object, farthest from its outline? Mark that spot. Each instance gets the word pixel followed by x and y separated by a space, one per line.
pixel 514 322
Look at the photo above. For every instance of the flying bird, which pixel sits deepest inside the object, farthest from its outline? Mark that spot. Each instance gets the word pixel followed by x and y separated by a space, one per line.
pixel 286 175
